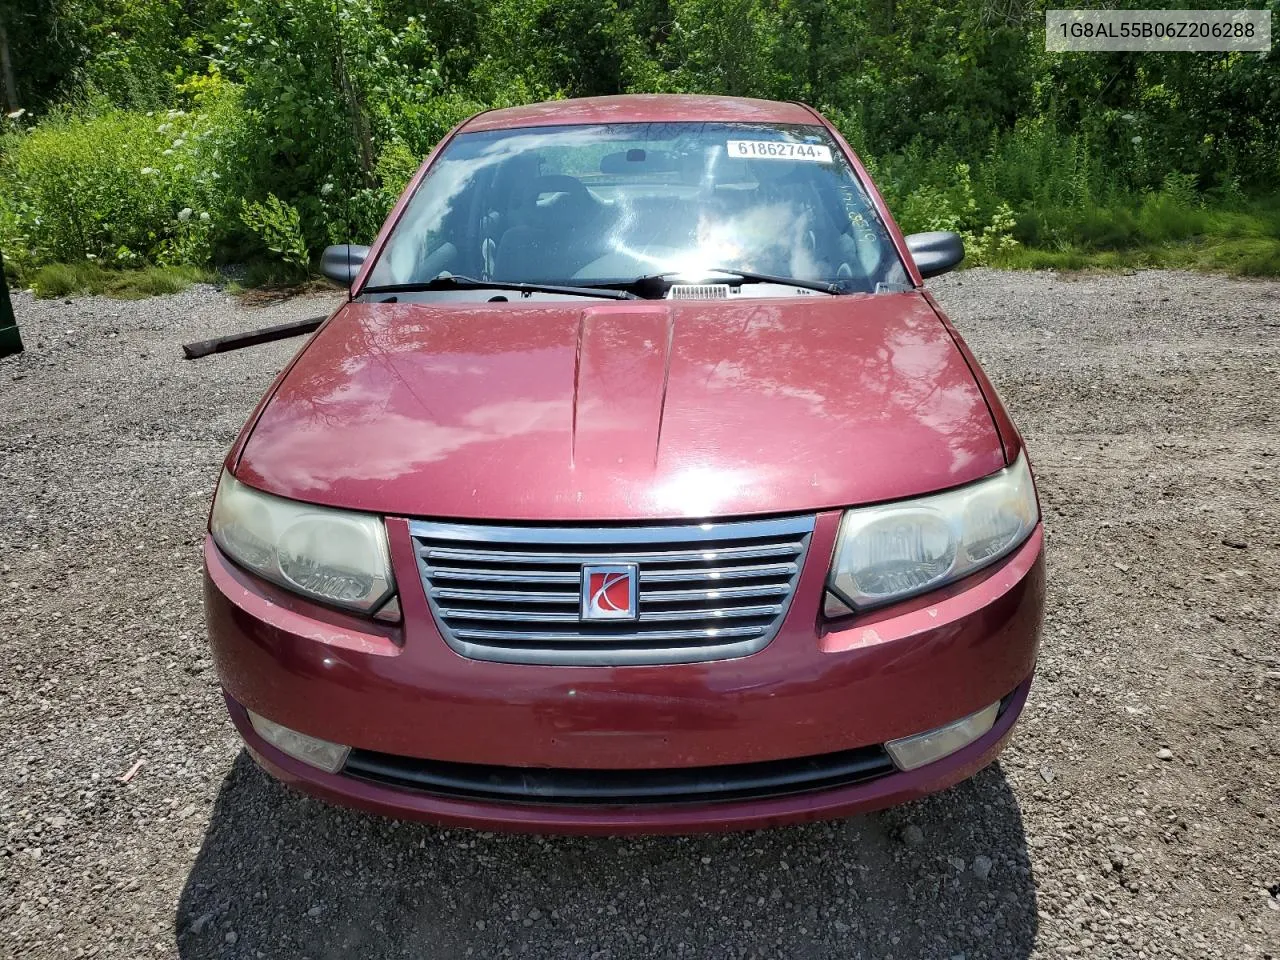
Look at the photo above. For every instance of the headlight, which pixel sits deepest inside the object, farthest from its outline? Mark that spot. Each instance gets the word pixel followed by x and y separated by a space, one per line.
pixel 330 555
pixel 896 550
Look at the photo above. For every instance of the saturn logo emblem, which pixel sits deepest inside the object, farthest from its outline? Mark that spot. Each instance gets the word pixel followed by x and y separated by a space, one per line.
pixel 609 591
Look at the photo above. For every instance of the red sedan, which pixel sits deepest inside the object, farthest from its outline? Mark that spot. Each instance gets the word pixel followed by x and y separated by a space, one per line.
pixel 637 486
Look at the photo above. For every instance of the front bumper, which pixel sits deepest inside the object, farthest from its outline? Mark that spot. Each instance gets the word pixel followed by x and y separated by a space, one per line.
pixel 813 691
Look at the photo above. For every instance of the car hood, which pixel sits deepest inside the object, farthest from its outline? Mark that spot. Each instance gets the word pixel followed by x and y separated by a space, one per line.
pixel 576 410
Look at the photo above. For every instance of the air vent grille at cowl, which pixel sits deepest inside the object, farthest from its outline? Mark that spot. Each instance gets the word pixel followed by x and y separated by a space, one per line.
pixel 699 291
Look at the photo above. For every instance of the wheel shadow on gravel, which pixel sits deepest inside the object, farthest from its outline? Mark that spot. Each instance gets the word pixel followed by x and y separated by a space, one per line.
pixel 280 875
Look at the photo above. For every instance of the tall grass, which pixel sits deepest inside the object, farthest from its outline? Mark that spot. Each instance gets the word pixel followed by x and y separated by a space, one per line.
pixel 87 277
pixel 1042 197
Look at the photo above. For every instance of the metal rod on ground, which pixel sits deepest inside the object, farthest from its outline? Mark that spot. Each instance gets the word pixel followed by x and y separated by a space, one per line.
pixel 234 341
pixel 10 339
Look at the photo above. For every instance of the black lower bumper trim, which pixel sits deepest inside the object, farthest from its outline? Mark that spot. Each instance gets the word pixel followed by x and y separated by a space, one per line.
pixel 540 785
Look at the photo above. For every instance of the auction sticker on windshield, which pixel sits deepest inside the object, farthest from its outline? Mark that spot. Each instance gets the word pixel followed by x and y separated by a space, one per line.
pixel 779 150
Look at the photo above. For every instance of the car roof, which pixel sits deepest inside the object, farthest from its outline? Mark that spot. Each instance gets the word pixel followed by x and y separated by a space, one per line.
pixel 642 108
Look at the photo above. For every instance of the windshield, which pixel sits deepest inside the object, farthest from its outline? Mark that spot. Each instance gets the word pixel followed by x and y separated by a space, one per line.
pixel 599 204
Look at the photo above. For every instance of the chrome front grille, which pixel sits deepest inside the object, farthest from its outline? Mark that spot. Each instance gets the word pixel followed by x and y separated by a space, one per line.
pixel 706 591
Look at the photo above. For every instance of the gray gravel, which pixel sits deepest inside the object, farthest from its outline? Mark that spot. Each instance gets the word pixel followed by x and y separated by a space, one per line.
pixel 1135 814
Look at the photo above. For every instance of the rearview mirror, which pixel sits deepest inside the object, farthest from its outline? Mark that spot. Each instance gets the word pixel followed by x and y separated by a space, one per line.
pixel 936 252
pixel 637 161
pixel 341 263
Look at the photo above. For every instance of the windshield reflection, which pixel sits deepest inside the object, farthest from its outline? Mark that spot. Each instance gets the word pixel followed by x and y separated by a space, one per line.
pixel 610 203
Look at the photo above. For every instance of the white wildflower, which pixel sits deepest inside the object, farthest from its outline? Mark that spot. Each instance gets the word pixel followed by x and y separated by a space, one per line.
pixel 1127 117
pixel 179 142
pixel 148 171
pixel 185 214
pixel 204 218
pixel 326 189
pixel 1136 140
pixel 166 153
pixel 164 128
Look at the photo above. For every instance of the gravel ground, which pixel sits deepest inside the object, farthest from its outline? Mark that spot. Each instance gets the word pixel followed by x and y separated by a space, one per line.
pixel 1135 814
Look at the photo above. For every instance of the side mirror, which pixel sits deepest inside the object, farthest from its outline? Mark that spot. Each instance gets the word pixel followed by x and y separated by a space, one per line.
pixel 936 252
pixel 341 263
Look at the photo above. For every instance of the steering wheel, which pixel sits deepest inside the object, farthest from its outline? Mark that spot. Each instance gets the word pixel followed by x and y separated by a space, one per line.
pixel 558 183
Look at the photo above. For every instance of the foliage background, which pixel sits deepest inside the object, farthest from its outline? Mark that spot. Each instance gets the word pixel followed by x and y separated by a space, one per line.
pixel 192 132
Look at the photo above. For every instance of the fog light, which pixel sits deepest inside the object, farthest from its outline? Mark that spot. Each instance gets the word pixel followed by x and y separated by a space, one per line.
pixel 912 752
pixel 327 756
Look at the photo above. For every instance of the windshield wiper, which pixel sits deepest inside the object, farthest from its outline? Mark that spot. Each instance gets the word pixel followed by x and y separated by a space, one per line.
pixel 748 276
pixel 655 285
pixel 448 282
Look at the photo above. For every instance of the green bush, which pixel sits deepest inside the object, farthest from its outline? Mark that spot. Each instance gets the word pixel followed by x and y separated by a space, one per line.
pixel 279 227
pixel 320 115
pixel 120 188
pixel 87 188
